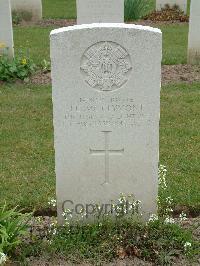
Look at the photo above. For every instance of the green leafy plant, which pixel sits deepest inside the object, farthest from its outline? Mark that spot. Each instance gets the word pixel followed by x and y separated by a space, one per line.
pixel 19 67
pixel 16 17
pixel 136 9
pixel 19 16
pixel 46 66
pixel 13 224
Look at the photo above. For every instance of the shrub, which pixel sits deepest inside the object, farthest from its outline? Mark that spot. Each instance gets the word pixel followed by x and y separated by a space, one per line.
pixel 19 67
pixel 13 224
pixel 16 17
pixel 46 66
pixel 135 9
pixel 19 16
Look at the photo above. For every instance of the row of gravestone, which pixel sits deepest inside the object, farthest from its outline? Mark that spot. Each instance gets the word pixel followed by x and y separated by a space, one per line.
pixel 89 11
pixel 35 6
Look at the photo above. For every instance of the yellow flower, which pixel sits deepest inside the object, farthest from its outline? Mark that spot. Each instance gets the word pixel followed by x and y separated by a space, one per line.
pixel 2 45
pixel 24 61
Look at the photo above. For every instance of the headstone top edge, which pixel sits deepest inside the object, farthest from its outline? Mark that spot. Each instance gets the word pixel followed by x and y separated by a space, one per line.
pixel 105 25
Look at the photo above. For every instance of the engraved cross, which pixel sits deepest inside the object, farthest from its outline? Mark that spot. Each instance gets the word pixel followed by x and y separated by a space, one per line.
pixel 106 152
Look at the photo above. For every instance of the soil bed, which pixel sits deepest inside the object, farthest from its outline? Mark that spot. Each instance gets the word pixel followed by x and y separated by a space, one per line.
pixel 39 229
pixel 70 22
pixel 170 74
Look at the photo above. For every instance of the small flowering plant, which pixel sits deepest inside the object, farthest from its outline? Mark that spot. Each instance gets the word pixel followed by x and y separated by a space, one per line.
pixel 126 206
pixel 165 201
pixel 20 67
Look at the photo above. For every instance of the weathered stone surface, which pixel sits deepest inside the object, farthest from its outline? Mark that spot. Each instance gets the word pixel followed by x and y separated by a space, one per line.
pixel 98 11
pixel 106 98
pixel 194 34
pixel 181 3
pixel 32 6
pixel 6 31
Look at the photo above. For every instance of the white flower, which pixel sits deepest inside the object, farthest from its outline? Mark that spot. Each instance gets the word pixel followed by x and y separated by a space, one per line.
pixel 187 245
pixel 169 210
pixel 54 231
pixel 52 202
pixel 3 258
pixel 67 213
pixel 183 216
pixel 169 200
pixel 162 172
pixel 66 223
pixel 153 218
pixel 98 207
pixel 169 220
pixel 130 207
pixel 52 224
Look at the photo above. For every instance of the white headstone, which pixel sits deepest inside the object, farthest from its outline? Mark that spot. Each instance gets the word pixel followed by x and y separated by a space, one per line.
pixel 6 31
pixel 100 11
pixel 32 6
pixel 194 33
pixel 181 3
pixel 106 101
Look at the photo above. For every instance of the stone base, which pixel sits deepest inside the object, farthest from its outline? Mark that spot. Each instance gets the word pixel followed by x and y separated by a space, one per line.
pixel 32 6
pixel 193 57
pixel 181 3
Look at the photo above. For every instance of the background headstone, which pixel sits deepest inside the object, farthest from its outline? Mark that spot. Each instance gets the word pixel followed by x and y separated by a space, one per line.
pixel 106 113
pixel 100 11
pixel 194 34
pixel 32 6
pixel 181 3
pixel 6 31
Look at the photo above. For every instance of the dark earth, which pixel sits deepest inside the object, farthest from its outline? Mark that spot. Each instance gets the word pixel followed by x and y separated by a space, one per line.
pixel 170 74
pixel 39 227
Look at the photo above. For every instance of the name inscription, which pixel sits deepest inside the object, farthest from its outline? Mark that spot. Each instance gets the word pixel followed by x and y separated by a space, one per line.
pixel 99 111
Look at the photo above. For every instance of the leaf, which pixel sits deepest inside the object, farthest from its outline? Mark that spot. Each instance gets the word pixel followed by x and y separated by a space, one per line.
pixel 121 253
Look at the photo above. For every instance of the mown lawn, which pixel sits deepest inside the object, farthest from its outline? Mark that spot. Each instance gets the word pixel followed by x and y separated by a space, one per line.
pixel 175 42
pixel 27 156
pixel 34 41
pixel 59 9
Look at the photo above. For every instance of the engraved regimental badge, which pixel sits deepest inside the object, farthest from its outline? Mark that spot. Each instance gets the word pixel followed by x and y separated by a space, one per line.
pixel 106 66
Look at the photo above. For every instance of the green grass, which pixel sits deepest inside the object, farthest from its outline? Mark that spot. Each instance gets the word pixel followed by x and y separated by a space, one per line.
pixel 26 141
pixel 33 41
pixel 26 137
pixel 179 141
pixel 36 40
pixel 59 9
pixel 175 39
